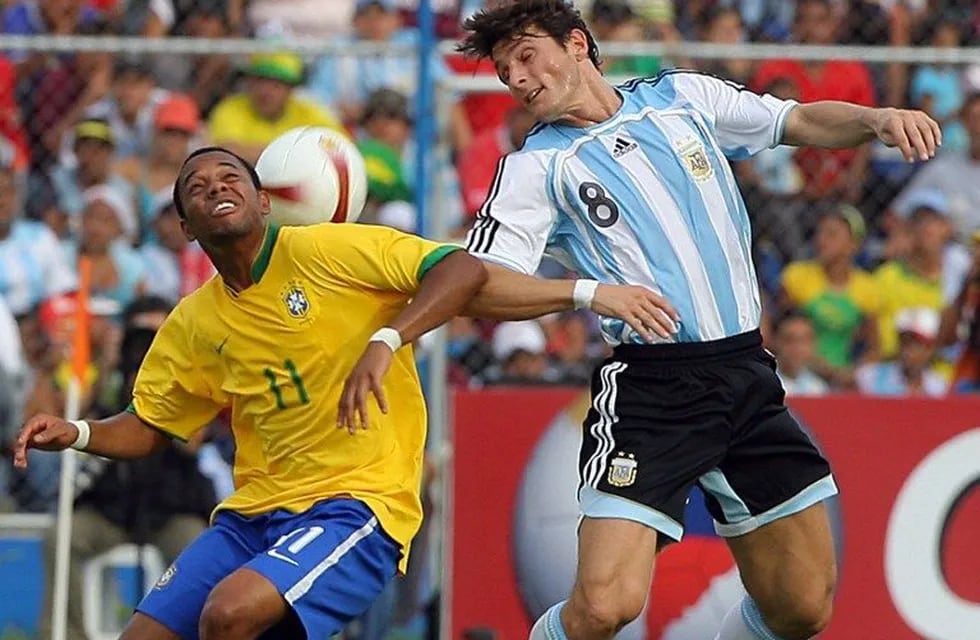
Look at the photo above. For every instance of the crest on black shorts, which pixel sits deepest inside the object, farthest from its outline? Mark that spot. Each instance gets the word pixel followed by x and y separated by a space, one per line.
pixel 622 470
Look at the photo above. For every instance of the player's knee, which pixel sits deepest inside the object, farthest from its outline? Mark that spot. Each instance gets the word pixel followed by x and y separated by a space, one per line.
pixel 224 618
pixel 804 615
pixel 606 606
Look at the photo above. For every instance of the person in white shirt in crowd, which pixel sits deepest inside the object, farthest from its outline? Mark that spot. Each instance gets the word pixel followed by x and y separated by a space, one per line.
pixel 911 374
pixel 32 266
pixel 795 347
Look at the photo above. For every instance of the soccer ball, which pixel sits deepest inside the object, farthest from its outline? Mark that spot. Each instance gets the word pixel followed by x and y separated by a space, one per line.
pixel 313 175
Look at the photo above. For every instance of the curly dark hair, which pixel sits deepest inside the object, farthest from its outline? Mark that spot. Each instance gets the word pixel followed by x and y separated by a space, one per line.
pixel 557 18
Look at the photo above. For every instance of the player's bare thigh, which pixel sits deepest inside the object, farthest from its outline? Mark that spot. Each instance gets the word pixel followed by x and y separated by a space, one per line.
pixel 615 569
pixel 143 627
pixel 789 569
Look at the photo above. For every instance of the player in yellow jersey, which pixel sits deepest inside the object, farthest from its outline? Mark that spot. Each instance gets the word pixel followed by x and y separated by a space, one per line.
pixel 300 326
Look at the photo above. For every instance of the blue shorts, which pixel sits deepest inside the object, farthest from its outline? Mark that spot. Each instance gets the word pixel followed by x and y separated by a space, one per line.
pixel 329 563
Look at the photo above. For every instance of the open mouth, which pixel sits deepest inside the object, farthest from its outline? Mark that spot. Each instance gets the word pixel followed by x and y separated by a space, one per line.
pixel 223 208
pixel 534 94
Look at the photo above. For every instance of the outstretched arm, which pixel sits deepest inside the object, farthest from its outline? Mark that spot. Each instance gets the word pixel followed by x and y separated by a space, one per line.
pixel 123 435
pixel 509 295
pixel 838 125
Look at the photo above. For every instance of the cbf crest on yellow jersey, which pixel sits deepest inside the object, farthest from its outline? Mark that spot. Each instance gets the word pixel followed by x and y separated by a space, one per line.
pixel 277 355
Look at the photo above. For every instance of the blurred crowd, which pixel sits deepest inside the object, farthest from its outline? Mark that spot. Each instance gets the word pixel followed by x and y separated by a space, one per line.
pixel 869 266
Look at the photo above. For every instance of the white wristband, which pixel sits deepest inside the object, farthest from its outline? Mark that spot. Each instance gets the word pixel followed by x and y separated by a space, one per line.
pixel 84 433
pixel 389 336
pixel 584 293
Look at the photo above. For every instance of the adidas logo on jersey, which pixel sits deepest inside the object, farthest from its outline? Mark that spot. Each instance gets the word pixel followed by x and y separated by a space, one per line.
pixel 622 146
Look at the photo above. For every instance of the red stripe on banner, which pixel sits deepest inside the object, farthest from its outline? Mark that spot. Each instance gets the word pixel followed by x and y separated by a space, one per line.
pixel 343 183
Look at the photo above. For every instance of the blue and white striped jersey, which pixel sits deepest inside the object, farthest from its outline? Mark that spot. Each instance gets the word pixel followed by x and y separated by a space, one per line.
pixel 645 198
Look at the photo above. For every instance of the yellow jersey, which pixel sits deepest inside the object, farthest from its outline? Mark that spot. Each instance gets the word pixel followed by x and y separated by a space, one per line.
pixel 899 289
pixel 235 121
pixel 277 354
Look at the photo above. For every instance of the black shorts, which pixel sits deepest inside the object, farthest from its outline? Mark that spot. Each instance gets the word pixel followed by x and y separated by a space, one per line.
pixel 665 417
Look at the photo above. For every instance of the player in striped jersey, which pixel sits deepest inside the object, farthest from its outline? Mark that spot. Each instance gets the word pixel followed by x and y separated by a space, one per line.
pixel 631 185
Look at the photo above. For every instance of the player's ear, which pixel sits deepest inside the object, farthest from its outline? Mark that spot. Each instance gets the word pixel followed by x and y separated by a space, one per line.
pixel 265 205
pixel 578 45
pixel 187 231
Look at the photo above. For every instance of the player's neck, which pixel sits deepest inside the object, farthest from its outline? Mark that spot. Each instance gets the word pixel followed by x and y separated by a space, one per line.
pixel 597 102
pixel 234 259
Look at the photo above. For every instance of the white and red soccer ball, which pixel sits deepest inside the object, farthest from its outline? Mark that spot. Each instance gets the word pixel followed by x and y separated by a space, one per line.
pixel 313 175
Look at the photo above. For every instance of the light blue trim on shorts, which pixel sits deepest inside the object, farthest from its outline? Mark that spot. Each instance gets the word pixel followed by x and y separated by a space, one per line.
pixel 816 492
pixel 597 504
pixel 717 484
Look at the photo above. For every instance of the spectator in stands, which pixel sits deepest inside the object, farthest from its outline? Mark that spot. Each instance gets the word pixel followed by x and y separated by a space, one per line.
pixel 163 500
pixel 723 25
pixel 956 175
pixel 32 267
pixel 176 124
pixel 838 173
pixel 937 89
pixel 178 267
pixel 130 107
pixel 961 326
pixel 150 18
pixel 13 377
pixel 246 122
pixel 840 300
pixel 911 373
pixel 347 81
pixel 285 19
pixel 477 164
pixel 207 78
pixel 94 147
pixel 795 348
pixel 571 345
pixel 520 351
pixel 616 21
pixel 11 124
pixel 932 271
pixel 386 127
pixel 108 229
pixel 55 89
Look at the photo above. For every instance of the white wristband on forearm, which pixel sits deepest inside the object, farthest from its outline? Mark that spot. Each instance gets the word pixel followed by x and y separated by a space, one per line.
pixel 389 336
pixel 84 433
pixel 584 293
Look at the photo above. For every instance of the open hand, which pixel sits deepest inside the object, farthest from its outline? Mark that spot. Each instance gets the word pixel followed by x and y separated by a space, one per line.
pixel 913 132
pixel 648 313
pixel 366 378
pixel 43 432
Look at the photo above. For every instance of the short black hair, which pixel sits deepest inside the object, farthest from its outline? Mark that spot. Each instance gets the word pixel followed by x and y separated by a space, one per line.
pixel 557 18
pixel 256 182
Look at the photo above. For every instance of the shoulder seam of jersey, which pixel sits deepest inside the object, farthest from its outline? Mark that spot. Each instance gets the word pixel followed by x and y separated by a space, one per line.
pixel 631 85
pixel 434 257
pixel 261 263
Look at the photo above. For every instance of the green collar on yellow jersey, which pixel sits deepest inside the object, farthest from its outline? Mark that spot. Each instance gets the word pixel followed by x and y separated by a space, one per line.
pixel 261 262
